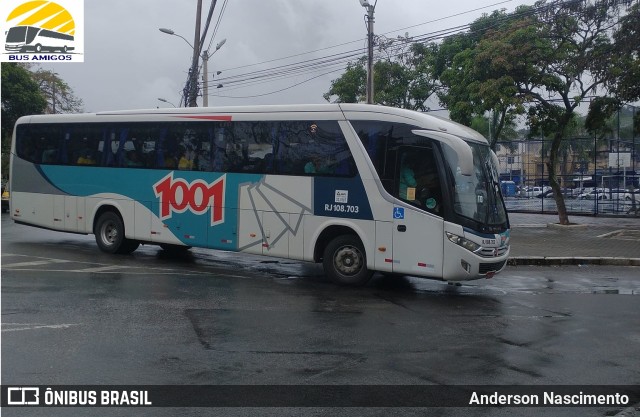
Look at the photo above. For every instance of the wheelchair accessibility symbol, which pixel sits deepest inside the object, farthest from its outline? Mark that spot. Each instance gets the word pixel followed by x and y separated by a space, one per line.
pixel 398 212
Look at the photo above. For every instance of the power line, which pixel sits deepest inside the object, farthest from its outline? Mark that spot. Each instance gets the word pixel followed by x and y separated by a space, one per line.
pixel 343 58
pixel 282 89
pixel 215 29
pixel 364 39
pixel 352 53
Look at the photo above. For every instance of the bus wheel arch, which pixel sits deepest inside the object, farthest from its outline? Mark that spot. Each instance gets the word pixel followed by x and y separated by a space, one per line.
pixel 108 228
pixel 343 256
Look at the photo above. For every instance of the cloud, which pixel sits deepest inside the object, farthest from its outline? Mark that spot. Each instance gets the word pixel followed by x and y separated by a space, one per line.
pixel 129 63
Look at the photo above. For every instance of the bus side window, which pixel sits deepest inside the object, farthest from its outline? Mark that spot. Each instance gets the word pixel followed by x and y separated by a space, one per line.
pixel 325 151
pixel 223 145
pixel 27 149
pixel 290 153
pixel 50 154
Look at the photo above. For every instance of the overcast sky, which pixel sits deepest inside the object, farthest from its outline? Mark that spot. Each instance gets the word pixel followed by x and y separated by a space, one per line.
pixel 129 63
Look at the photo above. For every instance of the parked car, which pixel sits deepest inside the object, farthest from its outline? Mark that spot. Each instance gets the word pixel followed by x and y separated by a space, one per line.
pixel 624 194
pixel 618 193
pixel 595 194
pixel 530 192
pixel 546 194
pixel 632 195
pixel 566 192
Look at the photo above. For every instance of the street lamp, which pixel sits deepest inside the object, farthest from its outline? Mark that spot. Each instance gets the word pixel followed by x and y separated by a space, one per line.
pixel 166 101
pixel 191 89
pixel 171 32
pixel 187 89
pixel 205 79
pixel 192 74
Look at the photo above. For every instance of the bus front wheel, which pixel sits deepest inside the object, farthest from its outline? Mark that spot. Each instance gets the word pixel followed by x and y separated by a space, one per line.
pixel 345 262
pixel 109 233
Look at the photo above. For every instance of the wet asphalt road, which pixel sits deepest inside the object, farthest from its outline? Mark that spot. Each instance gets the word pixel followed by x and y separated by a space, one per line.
pixel 72 315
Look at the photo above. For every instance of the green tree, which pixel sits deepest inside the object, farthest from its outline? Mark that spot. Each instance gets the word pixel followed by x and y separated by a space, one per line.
pixel 472 87
pixel 350 87
pixel 625 80
pixel 556 58
pixel 626 69
pixel 20 96
pixel 59 95
pixel 401 76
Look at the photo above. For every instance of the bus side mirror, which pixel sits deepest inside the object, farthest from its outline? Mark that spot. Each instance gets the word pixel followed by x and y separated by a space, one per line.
pixel 462 148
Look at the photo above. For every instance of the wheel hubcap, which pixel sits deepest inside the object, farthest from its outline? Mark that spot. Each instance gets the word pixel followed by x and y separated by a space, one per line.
pixel 109 233
pixel 348 260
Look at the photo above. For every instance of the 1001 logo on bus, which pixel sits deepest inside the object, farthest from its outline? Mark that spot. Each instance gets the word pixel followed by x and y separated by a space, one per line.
pixel 178 195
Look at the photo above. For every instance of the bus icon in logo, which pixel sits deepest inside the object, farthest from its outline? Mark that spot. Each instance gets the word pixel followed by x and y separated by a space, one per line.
pixel 34 28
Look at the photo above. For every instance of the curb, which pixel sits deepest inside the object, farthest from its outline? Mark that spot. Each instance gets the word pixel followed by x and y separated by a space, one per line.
pixel 576 260
pixel 566 226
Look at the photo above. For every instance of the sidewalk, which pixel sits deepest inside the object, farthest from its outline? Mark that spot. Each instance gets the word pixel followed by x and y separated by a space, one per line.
pixel 537 239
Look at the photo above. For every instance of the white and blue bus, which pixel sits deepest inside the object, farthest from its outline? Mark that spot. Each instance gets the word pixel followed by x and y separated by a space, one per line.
pixel 357 187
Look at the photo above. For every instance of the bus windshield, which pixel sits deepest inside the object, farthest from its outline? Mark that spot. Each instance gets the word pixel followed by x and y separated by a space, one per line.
pixel 478 196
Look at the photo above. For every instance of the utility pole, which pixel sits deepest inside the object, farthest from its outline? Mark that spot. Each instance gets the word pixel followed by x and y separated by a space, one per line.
pixel 205 76
pixel 370 20
pixel 193 76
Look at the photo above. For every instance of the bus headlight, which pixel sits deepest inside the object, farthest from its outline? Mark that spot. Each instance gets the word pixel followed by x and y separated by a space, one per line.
pixel 465 243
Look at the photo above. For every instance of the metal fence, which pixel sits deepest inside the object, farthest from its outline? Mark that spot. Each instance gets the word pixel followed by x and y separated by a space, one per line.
pixel 598 177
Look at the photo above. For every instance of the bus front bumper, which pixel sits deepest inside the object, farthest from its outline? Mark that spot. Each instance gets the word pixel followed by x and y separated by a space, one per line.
pixel 461 264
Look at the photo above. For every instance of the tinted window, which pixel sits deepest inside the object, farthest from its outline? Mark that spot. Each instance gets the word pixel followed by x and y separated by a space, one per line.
pixel 39 142
pixel 312 148
pixel 279 147
pixel 381 140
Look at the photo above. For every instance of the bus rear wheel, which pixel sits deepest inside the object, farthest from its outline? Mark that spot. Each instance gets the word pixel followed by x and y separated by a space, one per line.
pixel 109 233
pixel 345 262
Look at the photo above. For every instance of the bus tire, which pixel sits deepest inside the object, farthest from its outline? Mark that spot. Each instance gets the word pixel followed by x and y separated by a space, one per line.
pixel 128 246
pixel 345 261
pixel 38 48
pixel 109 232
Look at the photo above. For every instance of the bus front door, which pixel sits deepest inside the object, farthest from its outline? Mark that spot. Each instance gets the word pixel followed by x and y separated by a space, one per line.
pixel 417 242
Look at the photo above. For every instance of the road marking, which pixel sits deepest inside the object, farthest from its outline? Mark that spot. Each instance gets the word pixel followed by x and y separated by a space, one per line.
pixel 34 263
pixel 100 268
pixel 35 326
pixel 146 271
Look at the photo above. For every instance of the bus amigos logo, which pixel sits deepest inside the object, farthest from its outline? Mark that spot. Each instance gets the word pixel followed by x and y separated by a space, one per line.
pixel 43 30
